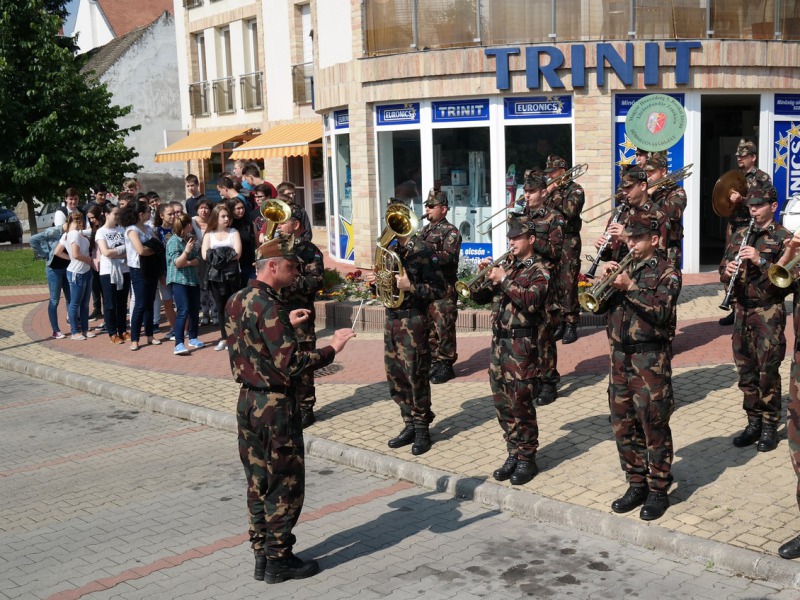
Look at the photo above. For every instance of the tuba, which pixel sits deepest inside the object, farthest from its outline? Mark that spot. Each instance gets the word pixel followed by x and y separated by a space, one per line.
pixel 400 222
pixel 602 290
pixel 275 212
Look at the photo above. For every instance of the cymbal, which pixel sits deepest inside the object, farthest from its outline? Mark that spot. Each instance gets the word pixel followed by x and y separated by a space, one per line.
pixel 721 196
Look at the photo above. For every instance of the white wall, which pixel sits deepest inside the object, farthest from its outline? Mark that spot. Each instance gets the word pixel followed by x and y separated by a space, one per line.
pixel 183 63
pixel 91 26
pixel 278 59
pixel 333 32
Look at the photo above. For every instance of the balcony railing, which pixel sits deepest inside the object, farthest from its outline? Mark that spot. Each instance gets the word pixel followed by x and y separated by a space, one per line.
pixel 198 99
pixel 223 95
pixel 250 91
pixel 192 3
pixel 407 25
pixel 301 82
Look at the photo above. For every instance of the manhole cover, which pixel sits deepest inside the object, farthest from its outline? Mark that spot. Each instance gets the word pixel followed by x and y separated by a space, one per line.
pixel 329 370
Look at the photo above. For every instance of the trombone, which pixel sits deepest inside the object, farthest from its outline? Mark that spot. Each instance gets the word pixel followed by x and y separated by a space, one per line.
pixel 668 179
pixel 466 288
pixel 602 290
pixel 518 201
pixel 781 275
pixel 569 175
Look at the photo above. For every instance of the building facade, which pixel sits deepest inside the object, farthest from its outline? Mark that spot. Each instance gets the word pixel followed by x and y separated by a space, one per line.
pixel 467 94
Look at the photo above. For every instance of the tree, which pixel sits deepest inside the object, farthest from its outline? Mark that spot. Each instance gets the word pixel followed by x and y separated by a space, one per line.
pixel 58 128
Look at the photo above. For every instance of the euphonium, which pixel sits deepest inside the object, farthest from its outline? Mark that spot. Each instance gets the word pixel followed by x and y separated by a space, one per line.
pixel 781 276
pixel 602 290
pixel 275 212
pixel 466 288
pixel 400 222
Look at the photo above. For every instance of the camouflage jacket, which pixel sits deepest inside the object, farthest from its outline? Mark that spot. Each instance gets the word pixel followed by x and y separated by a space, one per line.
pixel 568 200
pixel 445 239
pixel 262 346
pixel 422 267
pixel 549 228
pixel 753 283
pixel 671 201
pixel 303 291
pixel 518 301
pixel 756 178
pixel 644 313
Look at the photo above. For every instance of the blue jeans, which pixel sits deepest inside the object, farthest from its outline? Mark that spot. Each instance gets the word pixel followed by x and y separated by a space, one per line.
pixel 56 282
pixel 145 291
pixel 115 304
pixel 187 307
pixel 80 291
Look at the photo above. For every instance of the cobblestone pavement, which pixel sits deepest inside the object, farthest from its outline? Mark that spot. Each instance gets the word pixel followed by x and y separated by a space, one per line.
pixel 102 501
pixel 734 496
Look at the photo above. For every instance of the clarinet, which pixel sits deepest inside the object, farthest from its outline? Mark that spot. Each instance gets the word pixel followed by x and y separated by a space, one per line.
pixel 596 260
pixel 726 302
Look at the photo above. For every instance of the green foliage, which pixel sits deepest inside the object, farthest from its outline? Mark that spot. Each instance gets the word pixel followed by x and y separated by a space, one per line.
pixel 58 127
pixel 349 287
pixel 18 267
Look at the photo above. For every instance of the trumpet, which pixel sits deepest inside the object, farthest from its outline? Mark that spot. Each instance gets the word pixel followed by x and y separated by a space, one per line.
pixel 466 288
pixel 569 175
pixel 726 301
pixel 668 179
pixel 602 290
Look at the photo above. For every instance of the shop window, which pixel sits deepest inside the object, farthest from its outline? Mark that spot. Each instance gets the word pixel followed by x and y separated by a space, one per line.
pixel 461 169
pixel 528 146
pixel 345 195
pixel 317 186
pixel 400 168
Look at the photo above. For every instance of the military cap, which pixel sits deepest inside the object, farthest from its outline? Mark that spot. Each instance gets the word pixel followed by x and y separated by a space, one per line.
pixel 642 152
pixel 642 223
pixel 759 195
pixel 657 160
pixel 534 180
pixel 555 162
pixel 633 176
pixel 278 247
pixel 437 196
pixel 744 148
pixel 517 225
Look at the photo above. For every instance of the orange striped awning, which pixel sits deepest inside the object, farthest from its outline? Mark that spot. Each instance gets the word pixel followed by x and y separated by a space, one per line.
pixel 280 141
pixel 197 145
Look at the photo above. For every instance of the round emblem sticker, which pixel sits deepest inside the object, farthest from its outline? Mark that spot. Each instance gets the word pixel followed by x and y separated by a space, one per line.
pixel 655 122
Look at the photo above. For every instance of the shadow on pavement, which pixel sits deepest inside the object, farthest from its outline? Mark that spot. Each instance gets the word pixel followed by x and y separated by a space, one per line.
pixel 581 436
pixel 474 413
pixel 476 363
pixel 688 391
pixel 363 397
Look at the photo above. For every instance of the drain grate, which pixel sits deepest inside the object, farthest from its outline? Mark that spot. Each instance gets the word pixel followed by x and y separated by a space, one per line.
pixel 329 370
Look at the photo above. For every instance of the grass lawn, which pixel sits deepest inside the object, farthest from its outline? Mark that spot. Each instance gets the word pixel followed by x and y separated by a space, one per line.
pixel 17 267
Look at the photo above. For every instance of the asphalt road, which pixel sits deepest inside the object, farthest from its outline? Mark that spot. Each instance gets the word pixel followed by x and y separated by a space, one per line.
pixel 101 500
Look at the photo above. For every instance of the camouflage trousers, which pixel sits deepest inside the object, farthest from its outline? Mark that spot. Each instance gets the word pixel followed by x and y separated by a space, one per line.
pixel 759 346
pixel 272 452
pixel 641 402
pixel 304 389
pixel 793 421
pixel 408 363
pixel 513 399
pixel 548 352
pixel 568 270
pixel 442 315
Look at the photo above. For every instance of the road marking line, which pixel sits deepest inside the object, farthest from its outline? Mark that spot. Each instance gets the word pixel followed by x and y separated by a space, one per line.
pixel 221 544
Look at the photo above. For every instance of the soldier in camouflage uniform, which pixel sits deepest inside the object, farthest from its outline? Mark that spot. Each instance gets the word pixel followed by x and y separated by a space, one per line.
pixel 759 344
pixel 548 226
pixel 791 549
pixel 301 294
pixel 669 199
pixel 518 290
pixel 640 375
pixel 445 239
pixel 746 158
pixel 266 361
pixel 640 158
pixel 568 200
pixel 405 337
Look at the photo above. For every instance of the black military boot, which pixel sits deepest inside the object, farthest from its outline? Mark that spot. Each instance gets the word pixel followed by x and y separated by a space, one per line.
pixel 790 549
pixel 635 496
pixel 507 469
pixel 307 416
pixel 434 370
pixel 404 438
pixel 444 374
pixel 289 567
pixel 655 506
pixel 261 567
pixel 422 439
pixel 769 437
pixel 727 319
pixel 750 434
pixel 525 471
pixel 547 396
pixel 570 334
pixel 559 332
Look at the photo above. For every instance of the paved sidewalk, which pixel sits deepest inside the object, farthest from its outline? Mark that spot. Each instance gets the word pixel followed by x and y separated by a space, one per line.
pixel 739 497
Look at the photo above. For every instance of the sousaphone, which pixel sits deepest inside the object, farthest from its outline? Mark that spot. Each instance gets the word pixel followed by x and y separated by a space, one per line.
pixel 721 196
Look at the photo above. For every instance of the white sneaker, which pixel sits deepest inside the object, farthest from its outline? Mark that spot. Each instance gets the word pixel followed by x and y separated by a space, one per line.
pixel 78 337
pixel 221 346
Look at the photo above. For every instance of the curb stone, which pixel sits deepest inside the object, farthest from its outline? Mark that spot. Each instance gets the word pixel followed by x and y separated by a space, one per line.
pixel 740 561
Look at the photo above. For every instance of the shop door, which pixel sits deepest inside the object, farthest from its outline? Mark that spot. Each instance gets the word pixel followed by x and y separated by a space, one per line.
pixel 725 119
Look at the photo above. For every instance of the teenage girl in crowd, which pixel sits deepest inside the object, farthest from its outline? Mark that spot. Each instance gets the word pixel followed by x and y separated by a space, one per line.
pixel 134 218
pixel 200 226
pixel 115 279
pixel 183 253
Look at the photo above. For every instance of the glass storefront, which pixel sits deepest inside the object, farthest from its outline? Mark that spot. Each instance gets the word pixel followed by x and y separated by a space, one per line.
pixel 400 168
